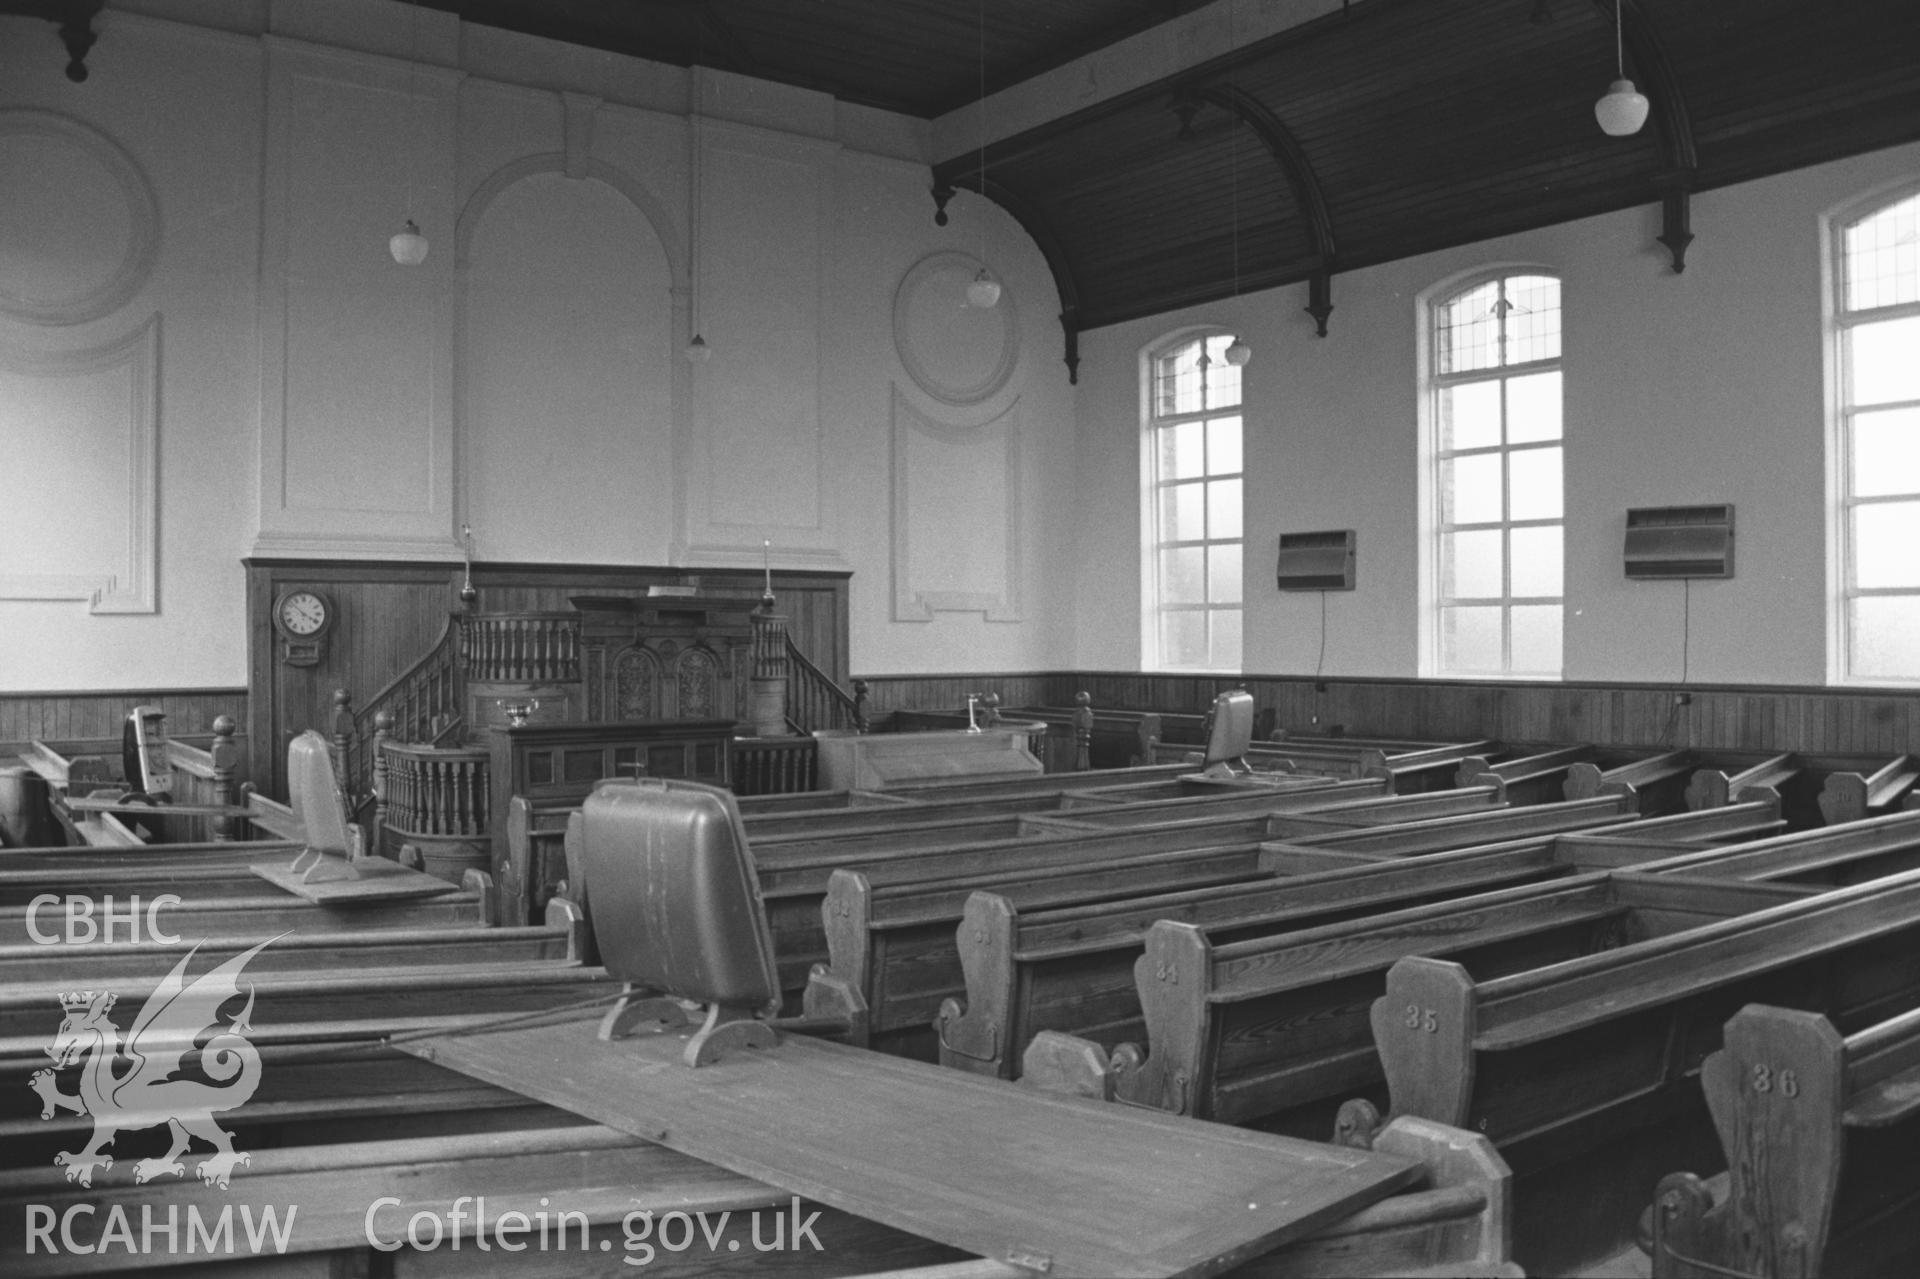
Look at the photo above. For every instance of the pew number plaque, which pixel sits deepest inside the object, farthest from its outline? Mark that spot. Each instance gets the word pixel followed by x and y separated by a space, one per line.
pixel 303 618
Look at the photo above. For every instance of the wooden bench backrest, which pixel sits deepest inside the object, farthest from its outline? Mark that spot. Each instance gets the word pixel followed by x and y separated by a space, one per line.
pixel 1626 1026
pixel 1267 1024
pixel 1817 1131
pixel 1071 969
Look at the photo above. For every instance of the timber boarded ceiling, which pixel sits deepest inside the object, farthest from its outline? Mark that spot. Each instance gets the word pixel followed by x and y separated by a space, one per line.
pixel 1381 130
pixel 1412 125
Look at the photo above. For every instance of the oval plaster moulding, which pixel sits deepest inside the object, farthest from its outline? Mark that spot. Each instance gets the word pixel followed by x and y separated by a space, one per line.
pixel 958 353
pixel 80 228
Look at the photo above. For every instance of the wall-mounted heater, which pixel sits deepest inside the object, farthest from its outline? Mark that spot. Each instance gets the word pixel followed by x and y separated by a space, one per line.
pixel 1667 542
pixel 1320 561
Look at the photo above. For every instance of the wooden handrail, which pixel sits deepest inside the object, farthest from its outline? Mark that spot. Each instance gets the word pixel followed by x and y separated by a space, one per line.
pixel 815 702
pixel 421 702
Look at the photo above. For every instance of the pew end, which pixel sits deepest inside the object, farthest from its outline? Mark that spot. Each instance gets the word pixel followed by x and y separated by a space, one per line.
pixel 1171 976
pixel 1067 1064
pixel 1423 1027
pixel 969 1031
pixel 1817 1131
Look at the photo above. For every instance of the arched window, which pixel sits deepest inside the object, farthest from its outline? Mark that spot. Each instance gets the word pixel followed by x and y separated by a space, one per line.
pixel 1493 597
pixel 1193 494
pixel 1875 333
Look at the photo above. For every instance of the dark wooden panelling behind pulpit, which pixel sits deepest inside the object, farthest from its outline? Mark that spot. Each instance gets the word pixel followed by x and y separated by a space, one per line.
pixel 389 615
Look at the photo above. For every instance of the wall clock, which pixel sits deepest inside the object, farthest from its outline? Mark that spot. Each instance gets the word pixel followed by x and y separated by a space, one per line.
pixel 303 617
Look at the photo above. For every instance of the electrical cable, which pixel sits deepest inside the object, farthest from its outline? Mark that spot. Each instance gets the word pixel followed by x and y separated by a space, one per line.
pixel 1321 661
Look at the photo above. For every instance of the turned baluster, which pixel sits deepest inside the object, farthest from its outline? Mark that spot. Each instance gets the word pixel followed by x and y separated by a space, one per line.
pixel 382 731
pixel 465 787
pixel 860 721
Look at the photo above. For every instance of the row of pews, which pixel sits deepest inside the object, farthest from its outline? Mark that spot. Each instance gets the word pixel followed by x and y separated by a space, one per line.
pixel 1468 957
pixel 338 1118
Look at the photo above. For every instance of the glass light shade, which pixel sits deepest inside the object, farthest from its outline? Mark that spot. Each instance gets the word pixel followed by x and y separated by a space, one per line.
pixel 1238 353
pixel 984 292
pixel 1622 111
pixel 698 351
pixel 409 247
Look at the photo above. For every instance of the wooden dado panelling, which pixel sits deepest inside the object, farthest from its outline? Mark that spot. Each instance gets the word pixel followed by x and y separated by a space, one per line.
pixel 389 615
pixel 948 692
pixel 1812 721
pixel 78 716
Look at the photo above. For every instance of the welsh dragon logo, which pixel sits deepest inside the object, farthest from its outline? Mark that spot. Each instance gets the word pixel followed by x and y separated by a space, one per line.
pixel 134 1087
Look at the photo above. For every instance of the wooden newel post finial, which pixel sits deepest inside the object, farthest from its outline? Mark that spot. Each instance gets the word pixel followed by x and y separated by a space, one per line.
pixel 860 719
pixel 1082 732
pixel 226 755
pixel 341 735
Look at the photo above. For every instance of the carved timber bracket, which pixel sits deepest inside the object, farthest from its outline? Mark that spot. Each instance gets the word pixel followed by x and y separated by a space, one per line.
pixel 949 178
pixel 1291 159
pixel 76 26
pixel 1681 160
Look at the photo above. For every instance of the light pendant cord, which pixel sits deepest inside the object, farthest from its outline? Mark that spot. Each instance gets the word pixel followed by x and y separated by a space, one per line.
pixel 1686 625
pixel 981 15
pixel 1619 44
pixel 1319 663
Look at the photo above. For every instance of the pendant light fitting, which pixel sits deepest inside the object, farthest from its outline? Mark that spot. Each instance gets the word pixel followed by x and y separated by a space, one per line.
pixel 984 291
pixel 1624 109
pixel 408 246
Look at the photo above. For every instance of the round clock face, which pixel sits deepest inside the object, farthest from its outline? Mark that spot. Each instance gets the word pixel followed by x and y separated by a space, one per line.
pixel 302 612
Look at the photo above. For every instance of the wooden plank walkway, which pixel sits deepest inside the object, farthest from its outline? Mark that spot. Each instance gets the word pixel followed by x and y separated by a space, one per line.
pixel 1059 1184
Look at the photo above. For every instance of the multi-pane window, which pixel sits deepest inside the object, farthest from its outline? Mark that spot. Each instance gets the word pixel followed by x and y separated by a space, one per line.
pixel 1495 486
pixel 1877 336
pixel 1194 507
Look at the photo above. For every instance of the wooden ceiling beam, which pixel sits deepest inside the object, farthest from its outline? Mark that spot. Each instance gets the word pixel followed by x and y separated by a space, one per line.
pixel 1678 148
pixel 1291 159
pixel 75 19
pixel 953 176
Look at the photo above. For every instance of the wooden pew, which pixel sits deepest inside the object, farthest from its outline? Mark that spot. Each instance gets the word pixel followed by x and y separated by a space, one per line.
pixel 794 875
pixel 1436 834
pixel 1071 970
pixel 1536 778
pixel 1817 1130
pixel 272 912
pixel 1827 856
pixel 1848 796
pixel 203 776
pixel 1591 1062
pixel 209 878
pixel 97 963
pixel 1262 1027
pixel 897 947
pixel 1712 787
pixel 941 790
pixel 135 857
pixel 1085 738
pixel 1415 771
pixel 525 1157
pixel 269 818
pixel 1656 785
pixel 285 1003
pixel 811 801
